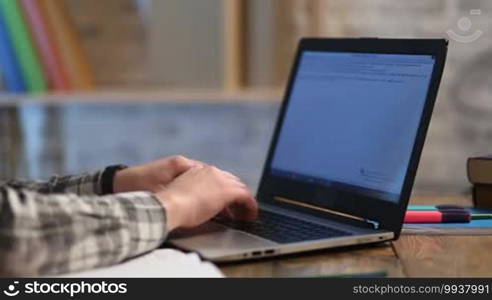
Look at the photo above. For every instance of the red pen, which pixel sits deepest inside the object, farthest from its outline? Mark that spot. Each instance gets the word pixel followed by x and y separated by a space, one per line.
pixel 437 217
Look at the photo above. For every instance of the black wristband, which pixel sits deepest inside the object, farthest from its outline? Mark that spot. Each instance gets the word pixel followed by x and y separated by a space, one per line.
pixel 107 178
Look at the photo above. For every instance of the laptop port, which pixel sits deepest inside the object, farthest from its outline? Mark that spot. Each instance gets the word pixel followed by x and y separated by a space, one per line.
pixel 256 253
pixel 271 251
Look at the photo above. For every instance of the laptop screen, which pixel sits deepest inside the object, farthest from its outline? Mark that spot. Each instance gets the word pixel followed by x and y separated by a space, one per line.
pixel 352 120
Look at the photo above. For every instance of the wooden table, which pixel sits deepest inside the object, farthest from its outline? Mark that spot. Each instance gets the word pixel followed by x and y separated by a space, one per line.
pixel 410 256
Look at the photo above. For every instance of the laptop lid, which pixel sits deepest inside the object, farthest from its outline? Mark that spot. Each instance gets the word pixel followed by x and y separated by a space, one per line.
pixel 352 126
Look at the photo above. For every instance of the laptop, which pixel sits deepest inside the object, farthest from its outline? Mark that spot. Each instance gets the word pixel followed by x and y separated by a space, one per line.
pixel 344 154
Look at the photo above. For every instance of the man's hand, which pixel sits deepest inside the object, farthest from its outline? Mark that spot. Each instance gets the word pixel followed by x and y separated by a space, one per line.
pixel 201 193
pixel 153 176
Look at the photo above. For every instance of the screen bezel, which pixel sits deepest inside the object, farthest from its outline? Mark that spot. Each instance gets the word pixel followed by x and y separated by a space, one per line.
pixel 388 214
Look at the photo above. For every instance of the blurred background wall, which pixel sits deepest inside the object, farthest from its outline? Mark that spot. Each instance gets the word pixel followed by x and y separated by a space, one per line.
pixel 205 78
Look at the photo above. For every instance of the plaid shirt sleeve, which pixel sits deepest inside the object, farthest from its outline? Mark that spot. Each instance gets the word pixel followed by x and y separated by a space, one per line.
pixel 96 183
pixel 45 232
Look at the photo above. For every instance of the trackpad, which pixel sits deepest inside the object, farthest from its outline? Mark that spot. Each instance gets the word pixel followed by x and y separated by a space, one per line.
pixel 213 240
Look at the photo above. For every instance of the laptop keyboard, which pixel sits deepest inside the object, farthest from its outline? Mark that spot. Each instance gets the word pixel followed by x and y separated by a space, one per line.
pixel 283 229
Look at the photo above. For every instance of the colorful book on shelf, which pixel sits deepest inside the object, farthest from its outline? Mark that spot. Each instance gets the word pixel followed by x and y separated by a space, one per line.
pixel 22 44
pixel 43 39
pixel 9 66
pixel 65 36
pixel 2 84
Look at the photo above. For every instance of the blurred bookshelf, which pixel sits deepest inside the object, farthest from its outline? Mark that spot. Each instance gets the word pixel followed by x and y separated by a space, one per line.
pixel 176 49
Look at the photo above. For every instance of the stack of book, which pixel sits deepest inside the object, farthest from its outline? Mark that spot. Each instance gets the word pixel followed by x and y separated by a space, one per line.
pixel 39 48
pixel 479 171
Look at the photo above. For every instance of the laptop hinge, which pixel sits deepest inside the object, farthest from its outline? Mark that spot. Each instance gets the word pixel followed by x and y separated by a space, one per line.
pixel 372 223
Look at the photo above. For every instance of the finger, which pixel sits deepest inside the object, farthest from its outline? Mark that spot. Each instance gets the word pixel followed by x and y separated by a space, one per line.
pixel 177 165
pixel 230 181
pixel 226 213
pixel 226 173
pixel 199 166
pixel 231 175
pixel 193 170
pixel 217 171
pixel 197 163
pixel 244 206
pixel 183 163
pixel 239 184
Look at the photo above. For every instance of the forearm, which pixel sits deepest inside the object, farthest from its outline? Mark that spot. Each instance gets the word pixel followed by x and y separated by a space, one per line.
pixel 54 234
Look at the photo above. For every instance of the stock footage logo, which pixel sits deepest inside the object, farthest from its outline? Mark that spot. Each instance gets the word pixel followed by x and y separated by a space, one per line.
pixel 65 288
pixel 12 290
pixel 465 25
